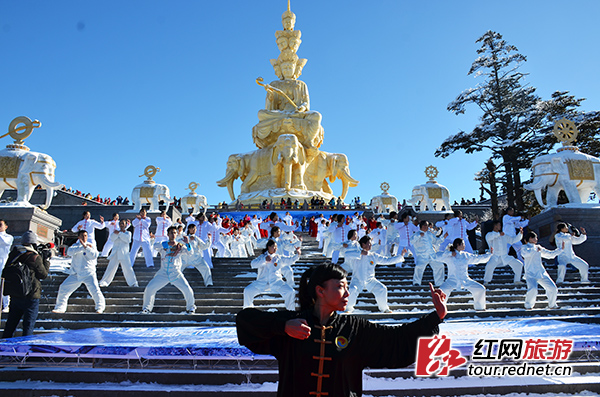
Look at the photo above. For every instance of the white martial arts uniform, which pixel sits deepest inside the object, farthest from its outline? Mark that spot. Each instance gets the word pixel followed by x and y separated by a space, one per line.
pixel 458 274
pixel 206 232
pixel 499 245
pixel 405 232
pixel 568 256
pixel 445 229
pixel 170 273
pixel 349 261
pixel 83 271
pixel 255 222
pixel 535 273
pixel 250 239
pixel 321 228
pixel 425 248
pixel 269 279
pixel 141 238
pixel 222 249
pixel 379 244
pixel 119 256
pixel 457 228
pixel 510 224
pixel 339 234
pixel 288 220
pixel 6 241
pixel 162 224
pixel 111 226
pixel 363 277
pixel 196 259
pixel 238 246
pixel 88 225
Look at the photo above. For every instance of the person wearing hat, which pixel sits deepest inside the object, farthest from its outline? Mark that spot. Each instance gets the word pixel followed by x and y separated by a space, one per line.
pixel 26 307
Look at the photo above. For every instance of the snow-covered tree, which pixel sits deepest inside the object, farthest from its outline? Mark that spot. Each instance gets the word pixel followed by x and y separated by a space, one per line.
pixel 510 111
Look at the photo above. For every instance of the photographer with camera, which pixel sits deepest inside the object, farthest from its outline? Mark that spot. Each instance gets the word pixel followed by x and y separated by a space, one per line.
pixel 24 302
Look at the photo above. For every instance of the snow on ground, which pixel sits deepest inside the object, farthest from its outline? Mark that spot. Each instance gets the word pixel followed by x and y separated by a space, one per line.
pixel 369 383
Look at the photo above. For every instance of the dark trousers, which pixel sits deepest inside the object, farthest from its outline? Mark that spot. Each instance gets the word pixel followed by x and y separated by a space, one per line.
pixel 24 308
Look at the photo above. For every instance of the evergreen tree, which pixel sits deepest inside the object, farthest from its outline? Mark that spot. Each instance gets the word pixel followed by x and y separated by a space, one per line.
pixel 510 113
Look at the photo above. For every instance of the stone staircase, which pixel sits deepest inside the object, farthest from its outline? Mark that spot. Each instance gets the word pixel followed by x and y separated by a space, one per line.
pixel 218 304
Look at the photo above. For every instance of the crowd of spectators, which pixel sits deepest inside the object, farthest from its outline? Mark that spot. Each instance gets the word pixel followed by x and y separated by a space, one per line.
pixel 107 200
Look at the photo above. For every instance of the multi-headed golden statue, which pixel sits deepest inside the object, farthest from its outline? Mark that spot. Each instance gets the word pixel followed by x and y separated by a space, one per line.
pixel 288 162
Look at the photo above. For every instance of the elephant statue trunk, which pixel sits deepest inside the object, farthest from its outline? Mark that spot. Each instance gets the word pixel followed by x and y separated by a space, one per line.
pixel 537 185
pixel 50 187
pixel 347 181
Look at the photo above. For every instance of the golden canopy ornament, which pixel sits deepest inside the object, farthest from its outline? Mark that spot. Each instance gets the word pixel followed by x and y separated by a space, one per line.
pixel 150 171
pixel 565 131
pixel 431 172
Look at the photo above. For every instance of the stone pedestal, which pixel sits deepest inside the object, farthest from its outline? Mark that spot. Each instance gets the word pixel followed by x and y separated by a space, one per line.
pixel 22 219
pixel 578 215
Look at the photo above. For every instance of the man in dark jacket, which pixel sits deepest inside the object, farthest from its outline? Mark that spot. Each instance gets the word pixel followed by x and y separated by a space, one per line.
pixel 26 307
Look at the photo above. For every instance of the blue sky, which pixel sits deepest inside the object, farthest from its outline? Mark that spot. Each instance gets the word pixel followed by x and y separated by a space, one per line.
pixel 119 85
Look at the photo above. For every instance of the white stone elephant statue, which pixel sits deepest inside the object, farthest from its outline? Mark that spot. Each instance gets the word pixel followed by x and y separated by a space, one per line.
pixel 384 203
pixel 426 195
pixel 193 202
pixel 150 193
pixel 24 170
pixel 329 165
pixel 569 170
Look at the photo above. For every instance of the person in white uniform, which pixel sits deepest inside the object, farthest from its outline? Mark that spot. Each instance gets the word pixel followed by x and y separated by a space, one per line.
pixel 141 238
pixel 255 221
pixel 425 244
pixel 269 279
pixel 83 271
pixel 206 232
pixel 163 222
pixel 238 244
pixel 379 239
pixel 445 231
pixel 288 219
pixel 111 226
pixel 89 225
pixel 171 253
pixel 351 244
pixel 510 225
pixel 404 229
pixel 6 241
pixel 339 232
pixel 457 228
pixel 498 241
pixel 566 239
pixel 458 262
pixel 119 255
pixel 363 276
pixel 535 272
pixel 196 259
pixel 222 250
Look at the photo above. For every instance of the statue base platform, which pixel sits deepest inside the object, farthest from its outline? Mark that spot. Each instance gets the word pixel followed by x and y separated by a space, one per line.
pixel 578 215
pixel 23 218
pixel 276 195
